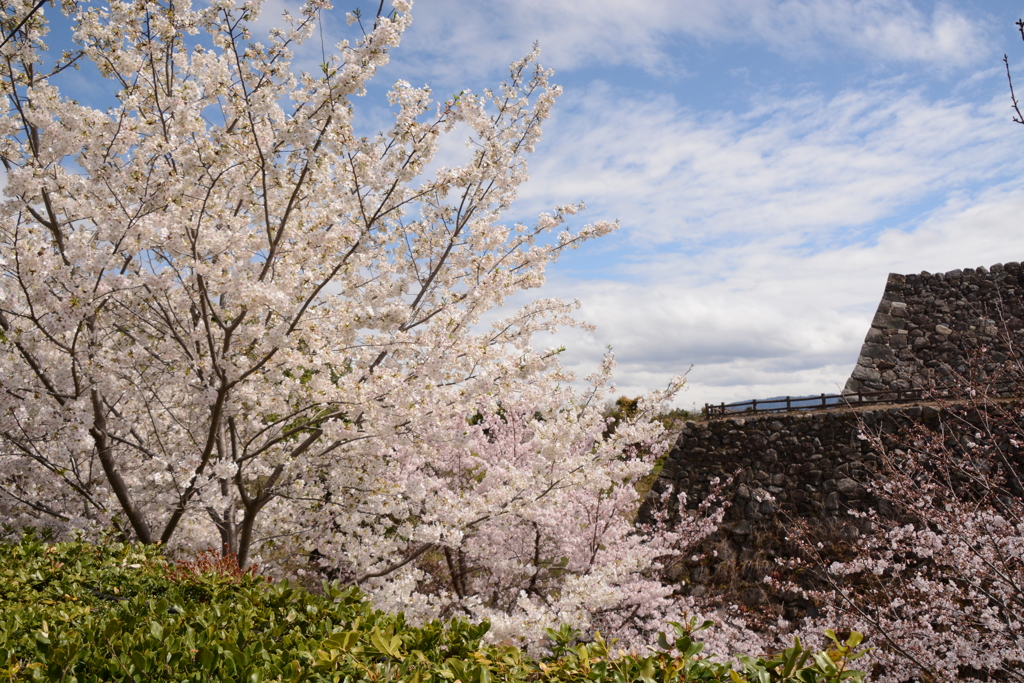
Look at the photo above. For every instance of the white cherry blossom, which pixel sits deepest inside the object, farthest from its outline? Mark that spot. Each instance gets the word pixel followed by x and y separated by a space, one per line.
pixel 228 320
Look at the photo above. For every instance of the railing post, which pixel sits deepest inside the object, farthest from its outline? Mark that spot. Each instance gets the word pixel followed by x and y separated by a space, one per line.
pixel 789 404
pixel 753 406
pixel 823 404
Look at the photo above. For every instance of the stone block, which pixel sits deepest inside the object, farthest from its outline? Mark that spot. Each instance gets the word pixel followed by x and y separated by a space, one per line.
pixel 885 321
pixel 866 374
pixel 875 336
pixel 846 486
pixel 878 351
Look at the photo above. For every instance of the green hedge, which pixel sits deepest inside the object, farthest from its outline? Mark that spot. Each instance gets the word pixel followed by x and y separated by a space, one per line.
pixel 119 612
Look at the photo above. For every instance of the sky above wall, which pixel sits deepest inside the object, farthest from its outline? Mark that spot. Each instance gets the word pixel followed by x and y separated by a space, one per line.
pixel 770 162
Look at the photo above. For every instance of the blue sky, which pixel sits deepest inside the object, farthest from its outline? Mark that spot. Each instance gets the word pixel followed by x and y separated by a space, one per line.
pixel 770 163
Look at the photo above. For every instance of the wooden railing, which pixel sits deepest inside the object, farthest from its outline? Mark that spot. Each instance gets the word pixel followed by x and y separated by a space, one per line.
pixel 831 401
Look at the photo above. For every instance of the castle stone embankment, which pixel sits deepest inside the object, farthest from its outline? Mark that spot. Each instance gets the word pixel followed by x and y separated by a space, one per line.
pixel 814 465
pixel 930 324
pixel 798 464
pixel 811 466
pixel 928 327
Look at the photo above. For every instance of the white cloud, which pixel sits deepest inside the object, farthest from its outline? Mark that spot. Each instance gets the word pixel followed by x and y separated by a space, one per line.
pixel 756 246
pixel 759 321
pixel 755 243
pixel 805 169
pixel 896 31
pixel 452 39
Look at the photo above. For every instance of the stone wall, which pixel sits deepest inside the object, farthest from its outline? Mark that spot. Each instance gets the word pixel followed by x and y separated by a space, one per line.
pixel 814 465
pixel 927 327
pixel 798 464
pixel 929 324
pixel 810 466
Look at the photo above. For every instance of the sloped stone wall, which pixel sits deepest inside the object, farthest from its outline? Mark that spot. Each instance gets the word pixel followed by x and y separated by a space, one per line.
pixel 932 323
pixel 927 327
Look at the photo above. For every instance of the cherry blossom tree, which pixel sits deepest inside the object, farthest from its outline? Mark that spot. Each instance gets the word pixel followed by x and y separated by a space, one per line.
pixel 229 320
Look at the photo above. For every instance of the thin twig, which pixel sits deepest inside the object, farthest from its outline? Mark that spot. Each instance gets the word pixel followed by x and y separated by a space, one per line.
pixel 1019 118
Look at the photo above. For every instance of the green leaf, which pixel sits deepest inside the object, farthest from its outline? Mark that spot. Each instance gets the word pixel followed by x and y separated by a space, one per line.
pixel 825 664
pixel 206 658
pixel 647 671
pixel 342 641
pixel 139 660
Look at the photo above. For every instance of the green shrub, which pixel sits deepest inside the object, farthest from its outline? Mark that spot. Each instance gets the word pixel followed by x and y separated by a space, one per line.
pixel 118 612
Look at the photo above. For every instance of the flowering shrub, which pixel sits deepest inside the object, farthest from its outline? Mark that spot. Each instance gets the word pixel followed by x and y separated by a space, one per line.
pixel 523 518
